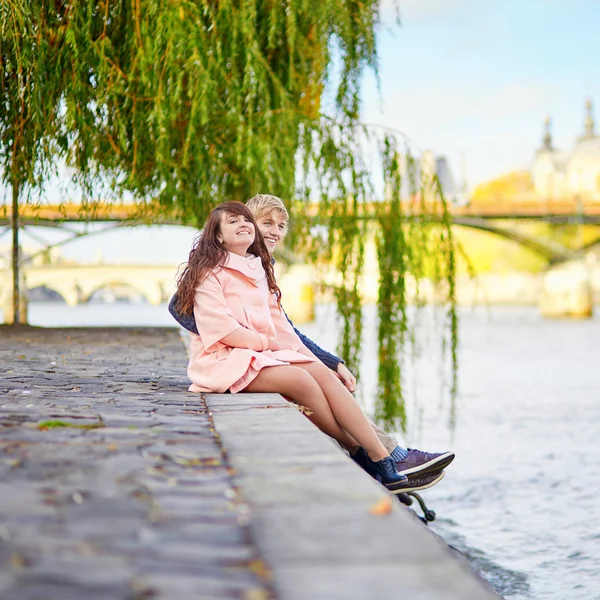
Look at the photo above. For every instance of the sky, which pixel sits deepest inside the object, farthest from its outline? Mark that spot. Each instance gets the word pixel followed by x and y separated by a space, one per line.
pixel 474 79
pixel 471 80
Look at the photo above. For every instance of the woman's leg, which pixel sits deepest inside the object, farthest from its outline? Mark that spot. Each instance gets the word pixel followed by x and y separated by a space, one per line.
pixel 345 409
pixel 304 390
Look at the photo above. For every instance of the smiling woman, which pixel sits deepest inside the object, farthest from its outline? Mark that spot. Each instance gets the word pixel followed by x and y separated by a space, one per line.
pixel 236 233
pixel 210 252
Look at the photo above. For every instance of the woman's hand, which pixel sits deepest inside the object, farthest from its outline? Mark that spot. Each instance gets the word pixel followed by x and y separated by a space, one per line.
pixel 346 377
pixel 246 338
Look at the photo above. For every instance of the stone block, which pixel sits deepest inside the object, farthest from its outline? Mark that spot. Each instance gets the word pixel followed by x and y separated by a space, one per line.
pixel 327 533
pixel 324 484
pixel 430 581
pixel 223 402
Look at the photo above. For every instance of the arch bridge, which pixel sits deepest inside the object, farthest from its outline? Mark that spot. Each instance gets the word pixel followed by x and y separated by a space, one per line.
pixel 501 218
pixel 77 283
pixel 552 250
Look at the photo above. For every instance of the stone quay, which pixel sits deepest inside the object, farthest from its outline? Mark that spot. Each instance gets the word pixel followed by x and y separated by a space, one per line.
pixel 116 483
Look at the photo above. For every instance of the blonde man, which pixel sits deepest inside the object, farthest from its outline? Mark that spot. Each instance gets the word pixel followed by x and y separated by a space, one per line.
pixel 423 469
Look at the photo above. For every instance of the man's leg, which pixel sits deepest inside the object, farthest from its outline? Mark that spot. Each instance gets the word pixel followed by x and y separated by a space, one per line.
pixel 390 443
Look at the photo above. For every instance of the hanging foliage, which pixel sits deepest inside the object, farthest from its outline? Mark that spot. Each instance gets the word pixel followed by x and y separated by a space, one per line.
pixel 183 104
pixel 192 103
pixel 411 225
pixel 32 40
pixel 415 246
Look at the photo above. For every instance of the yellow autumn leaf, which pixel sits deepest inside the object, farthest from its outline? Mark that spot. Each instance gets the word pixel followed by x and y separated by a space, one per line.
pixel 305 411
pixel 259 568
pixel 383 507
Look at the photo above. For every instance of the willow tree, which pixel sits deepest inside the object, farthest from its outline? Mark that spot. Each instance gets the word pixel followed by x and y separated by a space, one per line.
pixel 187 103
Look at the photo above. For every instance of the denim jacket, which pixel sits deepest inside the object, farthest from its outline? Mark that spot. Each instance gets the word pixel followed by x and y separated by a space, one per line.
pixel 329 360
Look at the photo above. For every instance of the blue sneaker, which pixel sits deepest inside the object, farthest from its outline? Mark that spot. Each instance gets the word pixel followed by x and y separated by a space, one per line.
pixel 383 470
pixel 385 473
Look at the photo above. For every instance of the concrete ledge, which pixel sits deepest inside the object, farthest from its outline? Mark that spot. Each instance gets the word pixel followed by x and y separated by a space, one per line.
pixel 310 513
pixel 117 483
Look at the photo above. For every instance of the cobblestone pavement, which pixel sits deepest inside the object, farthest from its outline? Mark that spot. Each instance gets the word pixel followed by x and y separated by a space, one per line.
pixel 113 482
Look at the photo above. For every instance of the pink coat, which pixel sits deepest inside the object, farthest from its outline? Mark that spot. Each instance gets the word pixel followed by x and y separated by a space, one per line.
pixel 229 298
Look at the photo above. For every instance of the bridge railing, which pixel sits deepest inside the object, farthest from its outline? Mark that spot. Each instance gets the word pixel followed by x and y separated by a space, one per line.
pixel 501 208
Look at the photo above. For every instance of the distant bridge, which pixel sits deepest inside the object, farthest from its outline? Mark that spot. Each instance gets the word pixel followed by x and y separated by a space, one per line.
pixel 529 208
pixel 484 217
pixel 77 283
pixel 553 251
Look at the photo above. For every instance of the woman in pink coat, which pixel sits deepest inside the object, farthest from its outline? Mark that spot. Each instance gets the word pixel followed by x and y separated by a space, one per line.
pixel 244 341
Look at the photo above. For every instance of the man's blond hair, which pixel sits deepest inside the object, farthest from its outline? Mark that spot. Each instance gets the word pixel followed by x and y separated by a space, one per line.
pixel 262 205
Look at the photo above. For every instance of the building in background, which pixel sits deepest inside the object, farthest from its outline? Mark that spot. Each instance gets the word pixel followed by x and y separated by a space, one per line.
pixel 560 174
pixel 424 169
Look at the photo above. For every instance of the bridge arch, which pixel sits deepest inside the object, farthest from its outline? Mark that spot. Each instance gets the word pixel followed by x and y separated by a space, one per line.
pixel 76 283
pixel 552 251
pixel 49 288
pixel 68 290
pixel 146 291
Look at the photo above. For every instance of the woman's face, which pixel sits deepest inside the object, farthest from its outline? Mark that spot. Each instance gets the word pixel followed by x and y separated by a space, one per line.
pixel 237 233
pixel 273 228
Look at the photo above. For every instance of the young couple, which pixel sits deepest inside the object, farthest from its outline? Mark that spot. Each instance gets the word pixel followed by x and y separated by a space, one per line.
pixel 242 340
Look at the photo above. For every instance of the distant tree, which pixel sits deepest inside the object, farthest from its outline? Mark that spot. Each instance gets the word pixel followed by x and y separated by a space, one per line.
pixel 509 187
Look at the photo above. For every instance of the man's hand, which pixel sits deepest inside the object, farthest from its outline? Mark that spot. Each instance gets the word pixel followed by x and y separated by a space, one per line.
pixel 346 377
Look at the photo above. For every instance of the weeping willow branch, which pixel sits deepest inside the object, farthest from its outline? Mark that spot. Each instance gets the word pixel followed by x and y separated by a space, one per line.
pixel 416 251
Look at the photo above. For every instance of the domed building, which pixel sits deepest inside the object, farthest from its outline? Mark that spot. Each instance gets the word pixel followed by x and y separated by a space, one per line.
pixel 571 174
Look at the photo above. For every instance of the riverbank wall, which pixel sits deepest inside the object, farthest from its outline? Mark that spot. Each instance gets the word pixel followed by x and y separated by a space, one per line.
pixel 117 483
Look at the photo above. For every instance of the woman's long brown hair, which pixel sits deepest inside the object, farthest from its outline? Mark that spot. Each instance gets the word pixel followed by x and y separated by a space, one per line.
pixel 208 253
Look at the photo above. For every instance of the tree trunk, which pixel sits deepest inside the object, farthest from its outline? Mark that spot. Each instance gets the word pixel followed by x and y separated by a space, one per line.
pixel 15 253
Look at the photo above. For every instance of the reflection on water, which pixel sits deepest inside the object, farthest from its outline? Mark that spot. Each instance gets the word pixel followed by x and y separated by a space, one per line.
pixel 521 498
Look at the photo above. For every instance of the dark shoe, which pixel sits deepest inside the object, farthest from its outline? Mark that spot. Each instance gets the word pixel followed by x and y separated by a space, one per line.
pixel 361 458
pixel 383 470
pixel 418 482
pixel 421 463
pixel 385 473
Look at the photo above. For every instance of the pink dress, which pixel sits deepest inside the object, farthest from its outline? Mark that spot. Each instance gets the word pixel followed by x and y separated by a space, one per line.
pixel 229 298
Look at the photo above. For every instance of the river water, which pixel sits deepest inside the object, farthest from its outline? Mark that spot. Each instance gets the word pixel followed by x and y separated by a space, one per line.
pixel 521 500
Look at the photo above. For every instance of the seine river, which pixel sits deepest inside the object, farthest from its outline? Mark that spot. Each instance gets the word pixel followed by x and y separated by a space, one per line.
pixel 522 498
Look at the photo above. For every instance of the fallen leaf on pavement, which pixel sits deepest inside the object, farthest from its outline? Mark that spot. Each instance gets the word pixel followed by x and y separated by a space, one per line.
pixel 383 507
pixel 305 411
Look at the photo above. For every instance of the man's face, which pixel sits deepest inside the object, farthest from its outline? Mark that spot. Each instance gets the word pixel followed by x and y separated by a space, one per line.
pixel 273 228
